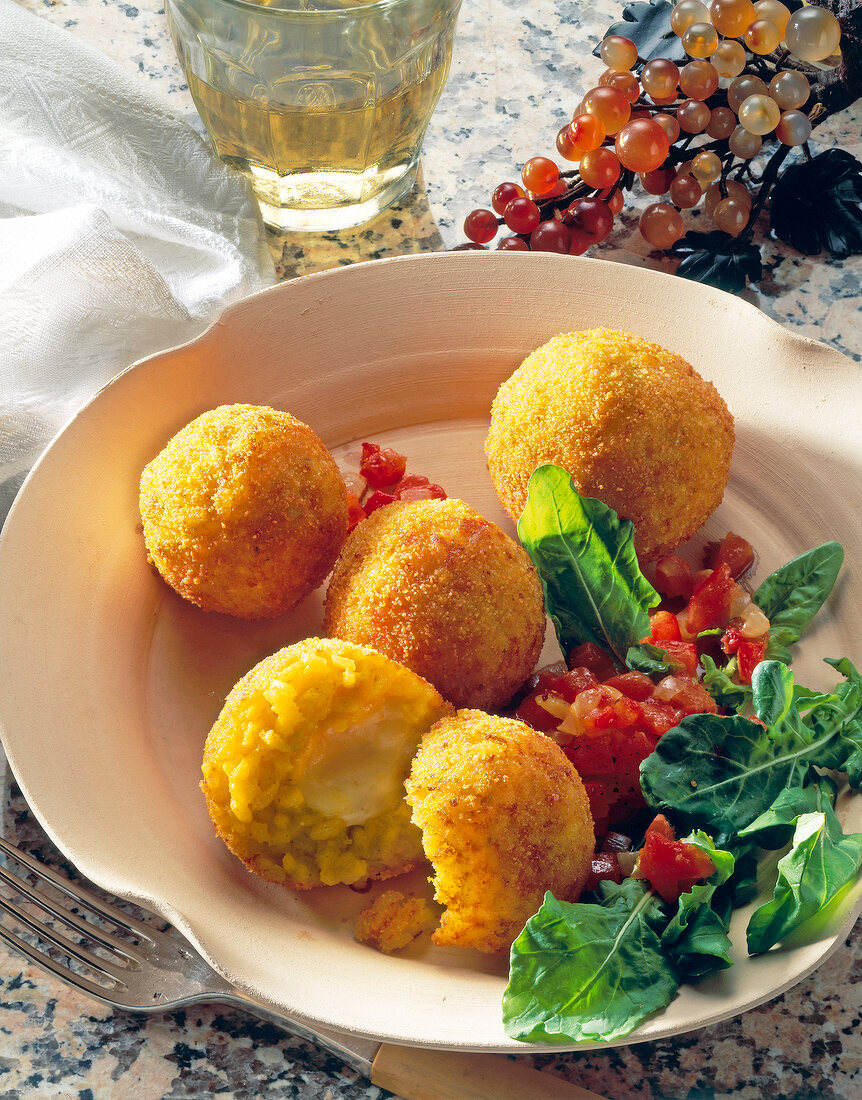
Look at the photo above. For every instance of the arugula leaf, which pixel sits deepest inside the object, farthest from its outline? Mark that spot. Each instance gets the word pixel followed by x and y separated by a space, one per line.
pixel 792 595
pixel 696 939
pixel 589 971
pixel 820 863
pixel 723 772
pixel 585 557
pixel 720 684
pixel 719 773
pixel 648 658
pixel 774 827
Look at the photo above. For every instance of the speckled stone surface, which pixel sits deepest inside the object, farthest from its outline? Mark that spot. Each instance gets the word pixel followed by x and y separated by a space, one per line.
pixel 517 73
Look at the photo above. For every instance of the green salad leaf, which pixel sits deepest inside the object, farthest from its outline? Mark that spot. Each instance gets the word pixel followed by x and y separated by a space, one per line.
pixel 649 658
pixel 585 557
pixel 721 773
pixel 719 682
pixel 696 939
pixel 792 595
pixel 582 971
pixel 774 827
pixel 821 862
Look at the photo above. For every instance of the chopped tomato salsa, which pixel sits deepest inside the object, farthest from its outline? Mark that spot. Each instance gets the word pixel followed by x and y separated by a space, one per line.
pixel 671 866
pixel 385 473
pixel 381 466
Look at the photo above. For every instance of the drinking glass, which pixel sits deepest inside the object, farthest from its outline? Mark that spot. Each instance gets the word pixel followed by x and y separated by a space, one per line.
pixel 322 103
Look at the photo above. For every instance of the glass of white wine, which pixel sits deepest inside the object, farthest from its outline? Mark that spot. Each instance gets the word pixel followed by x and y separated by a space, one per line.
pixel 322 103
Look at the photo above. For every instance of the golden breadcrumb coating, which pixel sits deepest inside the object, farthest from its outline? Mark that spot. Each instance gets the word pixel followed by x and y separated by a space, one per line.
pixel 434 585
pixel 244 511
pixel 504 817
pixel 393 921
pixel 304 768
pixel 634 424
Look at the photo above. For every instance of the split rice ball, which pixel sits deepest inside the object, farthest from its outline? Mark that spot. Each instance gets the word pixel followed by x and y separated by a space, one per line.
pixel 504 817
pixel 304 768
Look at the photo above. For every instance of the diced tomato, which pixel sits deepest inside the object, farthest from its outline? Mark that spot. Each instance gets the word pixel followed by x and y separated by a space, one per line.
pixel 355 511
pixel 674 577
pixel 662 826
pixel 671 866
pixel 748 657
pixel 377 500
pixel 590 656
pixel 610 762
pixel 604 866
pixel 543 678
pixel 685 693
pixel 600 803
pixel 381 466
pixel 658 718
pixel 418 487
pixel 736 552
pixel 710 603
pixel 634 685
pixel 664 627
pixel 531 711
pixel 749 651
pixel 576 680
pixel 682 656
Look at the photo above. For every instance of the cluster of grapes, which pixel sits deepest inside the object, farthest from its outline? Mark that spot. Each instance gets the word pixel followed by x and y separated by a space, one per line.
pixel 645 125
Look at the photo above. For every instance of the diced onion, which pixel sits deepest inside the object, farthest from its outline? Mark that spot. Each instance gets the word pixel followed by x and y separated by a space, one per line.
pixel 754 623
pixel 667 689
pixel 627 862
pixel 553 704
pixel 738 605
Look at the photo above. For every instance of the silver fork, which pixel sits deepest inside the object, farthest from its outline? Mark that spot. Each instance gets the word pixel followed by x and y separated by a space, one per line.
pixel 134 965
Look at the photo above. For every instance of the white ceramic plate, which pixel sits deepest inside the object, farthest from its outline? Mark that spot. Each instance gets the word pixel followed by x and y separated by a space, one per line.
pixel 110 682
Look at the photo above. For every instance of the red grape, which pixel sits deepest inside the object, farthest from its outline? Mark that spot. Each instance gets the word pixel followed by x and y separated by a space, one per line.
pixel 539 175
pixel 600 168
pixel 522 215
pixel 642 145
pixel 610 105
pixel 590 218
pixel 588 132
pixel 658 181
pixel 503 195
pixel 566 146
pixel 480 226
pixel 551 236
pixel 661 225
pixel 513 244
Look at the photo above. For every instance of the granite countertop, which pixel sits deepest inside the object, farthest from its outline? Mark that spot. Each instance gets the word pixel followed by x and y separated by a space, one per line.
pixel 516 75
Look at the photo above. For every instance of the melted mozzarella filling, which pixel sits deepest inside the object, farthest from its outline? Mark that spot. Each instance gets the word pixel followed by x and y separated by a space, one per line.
pixel 359 772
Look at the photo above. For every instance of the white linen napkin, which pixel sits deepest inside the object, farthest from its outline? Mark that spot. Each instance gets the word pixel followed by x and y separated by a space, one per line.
pixel 121 233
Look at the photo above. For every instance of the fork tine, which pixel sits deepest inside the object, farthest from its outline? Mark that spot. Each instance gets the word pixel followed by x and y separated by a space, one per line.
pixel 67 946
pixel 86 928
pixel 100 992
pixel 79 894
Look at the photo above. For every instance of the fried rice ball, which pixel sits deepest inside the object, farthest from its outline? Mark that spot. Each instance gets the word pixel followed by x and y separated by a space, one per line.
pixel 244 511
pixel 434 585
pixel 504 817
pixel 304 769
pixel 633 423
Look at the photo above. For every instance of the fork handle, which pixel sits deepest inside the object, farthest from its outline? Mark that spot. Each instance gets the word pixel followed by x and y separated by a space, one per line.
pixel 418 1074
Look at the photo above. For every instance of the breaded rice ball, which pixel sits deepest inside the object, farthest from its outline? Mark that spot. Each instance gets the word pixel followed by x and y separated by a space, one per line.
pixel 244 511
pixel 434 585
pixel 634 424
pixel 504 817
pixel 304 769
